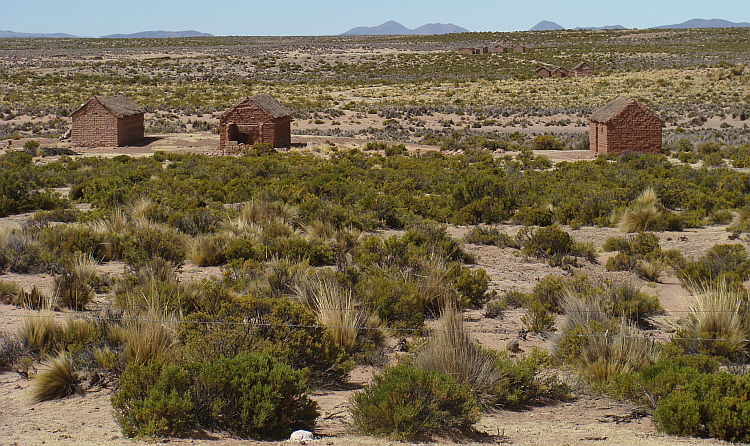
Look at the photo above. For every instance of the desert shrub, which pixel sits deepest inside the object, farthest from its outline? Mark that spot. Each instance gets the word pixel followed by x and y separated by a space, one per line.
pixel 546 242
pixel 546 142
pixel 451 351
pixel 21 254
pixel 208 249
pixel 77 332
pixel 538 318
pixel 482 235
pixel 36 300
pixel 611 300
pixel 722 263
pixel 153 400
pixel 550 291
pixel 57 379
pixel 641 245
pixel 394 296
pixel 298 249
pixel 279 327
pixel 194 221
pixel 72 287
pixel 408 403
pixel 524 382
pixel 72 240
pixel 11 351
pixel 472 286
pixel 536 216
pixel 251 395
pixel 495 308
pixel 621 262
pixel 242 249
pixel 708 405
pixel 143 245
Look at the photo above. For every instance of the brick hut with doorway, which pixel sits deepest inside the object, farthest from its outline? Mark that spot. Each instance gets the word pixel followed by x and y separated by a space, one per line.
pixel 107 121
pixel 623 125
pixel 259 118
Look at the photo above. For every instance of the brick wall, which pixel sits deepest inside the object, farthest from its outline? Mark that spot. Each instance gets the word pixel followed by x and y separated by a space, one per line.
pixel 95 126
pixel 276 132
pixel 632 129
pixel 130 129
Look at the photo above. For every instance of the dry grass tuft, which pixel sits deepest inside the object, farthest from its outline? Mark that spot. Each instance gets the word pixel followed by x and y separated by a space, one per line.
pixel 148 336
pixel 338 309
pixel 58 379
pixel 72 285
pixel 208 249
pixel 39 333
pixel 451 350
pixel 720 314
pixel 642 212
pixel 614 353
pixel 436 289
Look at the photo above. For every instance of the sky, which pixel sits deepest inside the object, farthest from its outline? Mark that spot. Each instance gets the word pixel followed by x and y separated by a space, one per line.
pixel 93 18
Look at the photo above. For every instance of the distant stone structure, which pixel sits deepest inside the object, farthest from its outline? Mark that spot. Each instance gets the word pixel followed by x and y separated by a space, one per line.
pixel 519 48
pixel 623 125
pixel 497 49
pixel 259 118
pixel 560 72
pixel 543 72
pixel 583 70
pixel 107 121
pixel 466 51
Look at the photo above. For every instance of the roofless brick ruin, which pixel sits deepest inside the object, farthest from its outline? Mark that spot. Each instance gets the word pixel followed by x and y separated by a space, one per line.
pixel 107 121
pixel 259 118
pixel 624 125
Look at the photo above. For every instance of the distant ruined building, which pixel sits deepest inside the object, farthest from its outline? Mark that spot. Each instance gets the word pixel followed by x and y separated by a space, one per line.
pixel 107 121
pixel 623 125
pixel 254 119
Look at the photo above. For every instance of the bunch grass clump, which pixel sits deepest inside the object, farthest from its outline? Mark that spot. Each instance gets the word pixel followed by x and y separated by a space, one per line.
pixel 450 350
pixel 72 287
pixel 58 379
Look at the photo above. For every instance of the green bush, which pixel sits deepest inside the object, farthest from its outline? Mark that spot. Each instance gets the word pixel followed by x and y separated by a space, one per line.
pixel 283 329
pixel 724 263
pixel 242 249
pixel 481 235
pixel 298 249
pixel 537 216
pixel 153 400
pixel 471 285
pixel 709 405
pixel 522 381
pixel 394 296
pixel 550 291
pixel 546 242
pixel 143 245
pixel 252 395
pixel 406 403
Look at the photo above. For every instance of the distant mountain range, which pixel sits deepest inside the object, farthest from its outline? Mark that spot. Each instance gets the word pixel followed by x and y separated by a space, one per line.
pixel 158 35
pixel 702 23
pixel 142 35
pixel 15 35
pixel 394 28
pixel 545 25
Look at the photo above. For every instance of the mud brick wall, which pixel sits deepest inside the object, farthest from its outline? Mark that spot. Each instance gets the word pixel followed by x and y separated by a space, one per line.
pixel 632 129
pixel 276 132
pixel 96 126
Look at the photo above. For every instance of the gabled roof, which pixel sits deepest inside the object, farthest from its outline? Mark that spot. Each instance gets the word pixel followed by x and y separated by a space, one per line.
pixel 610 109
pixel 582 65
pixel 542 69
pixel 265 102
pixel 119 105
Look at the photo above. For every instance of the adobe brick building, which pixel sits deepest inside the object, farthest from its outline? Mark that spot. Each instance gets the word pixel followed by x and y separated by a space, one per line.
pixel 107 121
pixel 623 125
pixel 543 72
pixel 497 49
pixel 560 72
pixel 583 70
pixel 519 48
pixel 259 118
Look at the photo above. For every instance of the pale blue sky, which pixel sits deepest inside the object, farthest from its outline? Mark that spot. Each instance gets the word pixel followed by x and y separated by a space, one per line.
pixel 323 17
